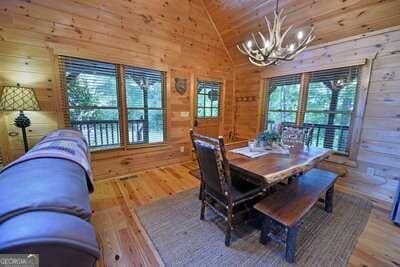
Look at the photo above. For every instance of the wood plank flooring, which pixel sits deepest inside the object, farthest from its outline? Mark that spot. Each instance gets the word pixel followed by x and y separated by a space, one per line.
pixel 124 242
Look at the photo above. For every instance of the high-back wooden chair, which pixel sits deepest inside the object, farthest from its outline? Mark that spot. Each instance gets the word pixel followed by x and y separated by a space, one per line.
pixel 218 192
pixel 296 135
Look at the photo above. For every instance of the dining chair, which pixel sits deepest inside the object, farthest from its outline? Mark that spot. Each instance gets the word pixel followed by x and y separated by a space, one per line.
pixel 197 173
pixel 218 192
pixel 296 135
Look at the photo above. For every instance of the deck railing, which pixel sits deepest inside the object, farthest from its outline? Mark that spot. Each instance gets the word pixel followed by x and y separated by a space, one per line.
pixel 106 133
pixel 335 137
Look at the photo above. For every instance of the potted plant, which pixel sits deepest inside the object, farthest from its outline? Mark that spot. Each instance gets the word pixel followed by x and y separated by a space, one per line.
pixel 267 138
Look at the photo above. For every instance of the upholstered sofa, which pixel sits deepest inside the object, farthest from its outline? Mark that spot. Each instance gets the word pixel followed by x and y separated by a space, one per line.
pixel 44 203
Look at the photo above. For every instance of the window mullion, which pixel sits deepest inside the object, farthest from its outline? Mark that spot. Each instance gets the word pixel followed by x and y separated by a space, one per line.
pixel 305 78
pixel 146 115
pixel 265 105
pixel 122 110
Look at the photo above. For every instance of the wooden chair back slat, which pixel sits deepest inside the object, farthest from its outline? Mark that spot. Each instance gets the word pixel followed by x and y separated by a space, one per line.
pixel 213 164
pixel 297 135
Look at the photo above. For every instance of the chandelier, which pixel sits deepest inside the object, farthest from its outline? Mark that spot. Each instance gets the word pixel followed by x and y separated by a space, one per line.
pixel 278 46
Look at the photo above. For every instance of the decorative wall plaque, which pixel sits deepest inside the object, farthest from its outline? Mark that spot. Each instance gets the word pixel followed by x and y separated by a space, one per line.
pixel 181 85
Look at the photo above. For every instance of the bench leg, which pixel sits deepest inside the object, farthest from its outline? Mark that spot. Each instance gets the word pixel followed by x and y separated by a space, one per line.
pixel 329 200
pixel 291 244
pixel 265 230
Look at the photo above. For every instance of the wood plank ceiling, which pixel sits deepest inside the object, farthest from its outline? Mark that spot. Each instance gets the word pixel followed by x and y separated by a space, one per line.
pixel 332 19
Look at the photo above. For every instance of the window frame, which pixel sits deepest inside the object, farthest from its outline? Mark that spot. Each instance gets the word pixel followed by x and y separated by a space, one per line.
pixel 334 126
pixel 220 92
pixel 266 95
pixel 121 103
pixel 126 109
pixel 363 79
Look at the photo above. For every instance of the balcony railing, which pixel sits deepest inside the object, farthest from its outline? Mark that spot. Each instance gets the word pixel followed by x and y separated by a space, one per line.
pixel 335 137
pixel 106 133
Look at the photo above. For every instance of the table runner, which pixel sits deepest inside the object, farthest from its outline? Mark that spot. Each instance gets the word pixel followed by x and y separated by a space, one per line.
pixel 245 151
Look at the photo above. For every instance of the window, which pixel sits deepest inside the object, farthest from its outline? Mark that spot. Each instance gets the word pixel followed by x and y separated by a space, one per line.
pixel 93 105
pixel 328 102
pixel 329 107
pixel 283 99
pixel 208 94
pixel 144 103
pixel 91 89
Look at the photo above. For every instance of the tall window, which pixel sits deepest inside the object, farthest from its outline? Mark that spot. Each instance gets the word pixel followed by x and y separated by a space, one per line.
pixel 91 88
pixel 328 104
pixel 283 99
pixel 329 107
pixel 94 108
pixel 208 95
pixel 144 103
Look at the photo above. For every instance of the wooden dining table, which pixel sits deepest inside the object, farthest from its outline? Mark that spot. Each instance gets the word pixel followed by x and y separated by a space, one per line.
pixel 274 167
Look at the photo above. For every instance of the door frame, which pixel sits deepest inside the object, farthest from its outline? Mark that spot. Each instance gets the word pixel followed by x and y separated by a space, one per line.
pixel 221 99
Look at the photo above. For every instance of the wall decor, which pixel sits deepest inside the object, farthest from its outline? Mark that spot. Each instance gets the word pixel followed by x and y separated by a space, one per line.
pixel 181 85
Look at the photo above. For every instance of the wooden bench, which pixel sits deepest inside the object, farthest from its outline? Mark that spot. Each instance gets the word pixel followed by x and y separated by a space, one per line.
pixel 284 208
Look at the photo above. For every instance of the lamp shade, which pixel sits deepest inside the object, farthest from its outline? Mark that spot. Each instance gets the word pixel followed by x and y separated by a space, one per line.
pixel 16 98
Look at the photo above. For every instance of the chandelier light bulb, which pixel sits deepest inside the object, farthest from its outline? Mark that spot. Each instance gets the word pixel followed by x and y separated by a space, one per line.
pixel 300 35
pixel 291 47
pixel 267 43
pixel 249 44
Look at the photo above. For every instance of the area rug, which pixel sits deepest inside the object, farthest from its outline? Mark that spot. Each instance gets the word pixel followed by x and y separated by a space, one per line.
pixel 182 239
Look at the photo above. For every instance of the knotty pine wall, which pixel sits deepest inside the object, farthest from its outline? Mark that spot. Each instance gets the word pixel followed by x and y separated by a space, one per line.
pixel 175 35
pixel 380 136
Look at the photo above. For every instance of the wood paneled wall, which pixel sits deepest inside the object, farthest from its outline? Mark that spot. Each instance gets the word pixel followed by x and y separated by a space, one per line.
pixel 380 133
pixel 175 35
pixel 178 36
pixel 31 66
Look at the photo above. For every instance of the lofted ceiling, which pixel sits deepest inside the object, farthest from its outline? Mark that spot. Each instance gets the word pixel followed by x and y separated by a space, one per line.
pixel 333 19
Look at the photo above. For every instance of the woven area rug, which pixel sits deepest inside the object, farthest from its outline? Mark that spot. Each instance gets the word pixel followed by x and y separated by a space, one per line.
pixel 182 239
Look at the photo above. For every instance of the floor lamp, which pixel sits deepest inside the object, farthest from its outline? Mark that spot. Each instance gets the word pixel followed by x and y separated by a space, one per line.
pixel 17 98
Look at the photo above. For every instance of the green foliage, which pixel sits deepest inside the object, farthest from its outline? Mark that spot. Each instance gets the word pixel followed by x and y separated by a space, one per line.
pixel 88 93
pixel 283 107
pixel 207 103
pixel 268 137
pixel 284 97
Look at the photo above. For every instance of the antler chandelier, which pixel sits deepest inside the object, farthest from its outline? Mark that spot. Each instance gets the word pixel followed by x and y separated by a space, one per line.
pixel 278 46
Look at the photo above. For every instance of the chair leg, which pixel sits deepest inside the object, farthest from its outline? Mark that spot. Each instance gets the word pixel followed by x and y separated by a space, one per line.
pixel 203 205
pixel 291 244
pixel 201 189
pixel 228 229
pixel 329 200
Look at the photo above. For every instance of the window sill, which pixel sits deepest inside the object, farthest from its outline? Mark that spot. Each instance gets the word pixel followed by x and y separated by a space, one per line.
pixel 129 150
pixel 105 149
pixel 138 146
pixel 208 118
pixel 128 147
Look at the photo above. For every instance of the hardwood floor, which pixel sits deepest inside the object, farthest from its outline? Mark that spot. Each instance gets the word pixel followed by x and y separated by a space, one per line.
pixel 124 242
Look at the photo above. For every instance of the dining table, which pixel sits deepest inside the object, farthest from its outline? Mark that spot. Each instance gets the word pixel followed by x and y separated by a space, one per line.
pixel 273 168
